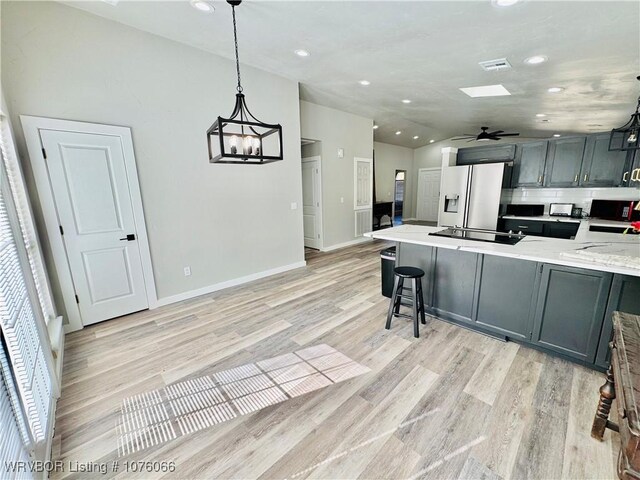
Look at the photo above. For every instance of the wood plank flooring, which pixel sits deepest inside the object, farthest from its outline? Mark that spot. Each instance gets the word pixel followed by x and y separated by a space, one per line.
pixel 451 404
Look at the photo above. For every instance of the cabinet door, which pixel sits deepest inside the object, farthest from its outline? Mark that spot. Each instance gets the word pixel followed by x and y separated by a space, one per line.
pixel 564 162
pixel 601 168
pixel 565 230
pixel 570 310
pixel 528 166
pixel 631 175
pixel 420 256
pixel 507 295
pixel 624 297
pixel 490 154
pixel 454 284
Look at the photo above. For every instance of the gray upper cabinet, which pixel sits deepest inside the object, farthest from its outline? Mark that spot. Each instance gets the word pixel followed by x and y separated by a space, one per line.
pixel 600 167
pixel 564 162
pixel 528 165
pixel 570 308
pixel 507 295
pixel 488 154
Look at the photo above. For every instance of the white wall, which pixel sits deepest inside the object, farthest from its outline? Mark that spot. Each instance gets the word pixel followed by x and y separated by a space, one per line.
pixel 388 159
pixel 223 221
pixel 337 129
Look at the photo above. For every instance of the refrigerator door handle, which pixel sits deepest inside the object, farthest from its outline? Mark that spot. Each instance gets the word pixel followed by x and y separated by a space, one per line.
pixel 467 198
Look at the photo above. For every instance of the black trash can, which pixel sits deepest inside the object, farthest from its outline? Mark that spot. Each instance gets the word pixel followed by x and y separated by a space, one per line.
pixel 387 264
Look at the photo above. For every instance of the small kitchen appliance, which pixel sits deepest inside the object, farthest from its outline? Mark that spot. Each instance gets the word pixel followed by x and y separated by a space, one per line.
pixel 619 210
pixel 560 209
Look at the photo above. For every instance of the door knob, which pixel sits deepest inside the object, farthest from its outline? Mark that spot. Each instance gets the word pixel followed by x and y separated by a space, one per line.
pixel 129 238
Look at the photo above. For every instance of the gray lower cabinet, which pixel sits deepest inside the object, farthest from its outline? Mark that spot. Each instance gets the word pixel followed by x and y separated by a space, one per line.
pixel 564 162
pixel 624 297
pixel 528 165
pixel 600 167
pixel 422 257
pixel 454 284
pixel 570 309
pixel 506 296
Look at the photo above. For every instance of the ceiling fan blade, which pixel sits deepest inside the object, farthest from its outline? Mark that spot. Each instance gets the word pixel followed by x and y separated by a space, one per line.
pixel 496 132
pixel 472 140
pixel 471 134
pixel 464 138
pixel 494 138
pixel 509 134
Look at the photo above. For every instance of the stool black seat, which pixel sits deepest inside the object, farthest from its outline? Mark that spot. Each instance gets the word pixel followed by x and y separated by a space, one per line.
pixel 408 272
pixel 416 301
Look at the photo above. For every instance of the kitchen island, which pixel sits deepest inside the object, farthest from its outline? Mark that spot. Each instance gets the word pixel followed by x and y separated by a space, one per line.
pixel 552 294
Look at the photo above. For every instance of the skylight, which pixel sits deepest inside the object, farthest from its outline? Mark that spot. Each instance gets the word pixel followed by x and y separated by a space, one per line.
pixel 486 91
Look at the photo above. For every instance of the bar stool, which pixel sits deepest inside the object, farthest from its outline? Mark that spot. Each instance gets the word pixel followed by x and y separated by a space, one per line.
pixel 414 275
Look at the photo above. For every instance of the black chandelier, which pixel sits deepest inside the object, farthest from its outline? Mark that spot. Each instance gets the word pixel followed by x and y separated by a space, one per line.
pixel 626 137
pixel 242 138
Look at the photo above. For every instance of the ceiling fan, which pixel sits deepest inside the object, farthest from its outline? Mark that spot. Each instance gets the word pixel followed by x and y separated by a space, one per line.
pixel 485 136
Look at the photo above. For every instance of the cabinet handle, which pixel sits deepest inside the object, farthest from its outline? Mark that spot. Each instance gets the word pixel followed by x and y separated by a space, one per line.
pixel 522 226
pixel 540 179
pixel 576 178
pixel 635 175
pixel 625 177
pixel 585 177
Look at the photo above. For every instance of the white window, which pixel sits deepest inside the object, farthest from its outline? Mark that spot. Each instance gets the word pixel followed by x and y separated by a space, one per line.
pixel 28 377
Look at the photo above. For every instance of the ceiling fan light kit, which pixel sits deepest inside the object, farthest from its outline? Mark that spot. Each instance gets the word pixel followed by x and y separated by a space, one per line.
pixel 626 137
pixel 242 138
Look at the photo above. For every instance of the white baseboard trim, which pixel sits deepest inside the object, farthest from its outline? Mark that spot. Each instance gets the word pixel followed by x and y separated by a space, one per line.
pixel 409 219
pixel 346 244
pixel 229 283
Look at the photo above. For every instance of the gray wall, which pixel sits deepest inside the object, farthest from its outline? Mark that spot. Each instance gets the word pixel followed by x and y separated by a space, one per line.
pixel 336 129
pixel 390 158
pixel 224 221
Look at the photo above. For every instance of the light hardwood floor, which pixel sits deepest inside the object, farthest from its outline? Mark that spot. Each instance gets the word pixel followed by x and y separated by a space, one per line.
pixel 451 404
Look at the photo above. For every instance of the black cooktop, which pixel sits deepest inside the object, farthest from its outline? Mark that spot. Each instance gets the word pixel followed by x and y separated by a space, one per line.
pixel 480 235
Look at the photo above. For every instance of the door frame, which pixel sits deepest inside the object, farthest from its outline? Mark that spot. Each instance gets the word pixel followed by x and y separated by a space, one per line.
pixel 404 193
pixel 430 169
pixel 321 220
pixel 31 127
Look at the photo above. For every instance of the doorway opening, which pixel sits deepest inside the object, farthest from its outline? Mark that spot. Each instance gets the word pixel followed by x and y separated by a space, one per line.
pixel 398 196
pixel 312 195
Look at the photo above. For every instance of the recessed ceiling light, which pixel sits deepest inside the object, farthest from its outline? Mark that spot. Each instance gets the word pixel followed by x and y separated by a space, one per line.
pixel 398 132
pixel 375 127
pixel 302 53
pixel 540 115
pixel 486 91
pixel 364 82
pixel 535 60
pixel 556 135
pixel 415 137
pixel 504 3
pixel 431 141
pixel 202 5
pixel 406 101
pixel 555 89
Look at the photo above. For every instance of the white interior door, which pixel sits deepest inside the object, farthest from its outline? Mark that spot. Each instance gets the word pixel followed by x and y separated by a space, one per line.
pixel 363 195
pixel 428 194
pixel 311 209
pixel 91 190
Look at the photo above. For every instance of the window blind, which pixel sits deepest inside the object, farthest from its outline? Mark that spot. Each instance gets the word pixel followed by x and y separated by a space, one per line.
pixel 25 220
pixel 18 321
pixel 14 439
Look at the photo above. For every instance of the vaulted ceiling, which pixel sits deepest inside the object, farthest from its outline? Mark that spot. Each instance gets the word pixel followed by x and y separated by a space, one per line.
pixel 424 51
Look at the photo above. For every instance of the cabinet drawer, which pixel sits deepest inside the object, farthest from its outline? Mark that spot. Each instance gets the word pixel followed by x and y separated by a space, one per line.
pixel 528 227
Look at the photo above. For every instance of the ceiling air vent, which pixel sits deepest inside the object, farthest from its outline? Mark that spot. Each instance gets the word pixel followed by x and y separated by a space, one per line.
pixel 493 65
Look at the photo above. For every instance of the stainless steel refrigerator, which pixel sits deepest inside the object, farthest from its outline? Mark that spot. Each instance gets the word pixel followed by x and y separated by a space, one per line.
pixel 470 195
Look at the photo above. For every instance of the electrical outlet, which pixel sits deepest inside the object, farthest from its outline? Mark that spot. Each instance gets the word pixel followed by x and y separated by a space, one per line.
pixel 187 271
pixel 341 153
pixel 341 199
pixel 294 206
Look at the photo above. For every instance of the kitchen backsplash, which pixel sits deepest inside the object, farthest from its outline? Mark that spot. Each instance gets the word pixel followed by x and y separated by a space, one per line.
pixel 581 197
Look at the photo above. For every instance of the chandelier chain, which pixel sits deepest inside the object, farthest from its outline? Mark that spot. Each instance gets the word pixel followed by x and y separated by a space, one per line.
pixel 235 39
